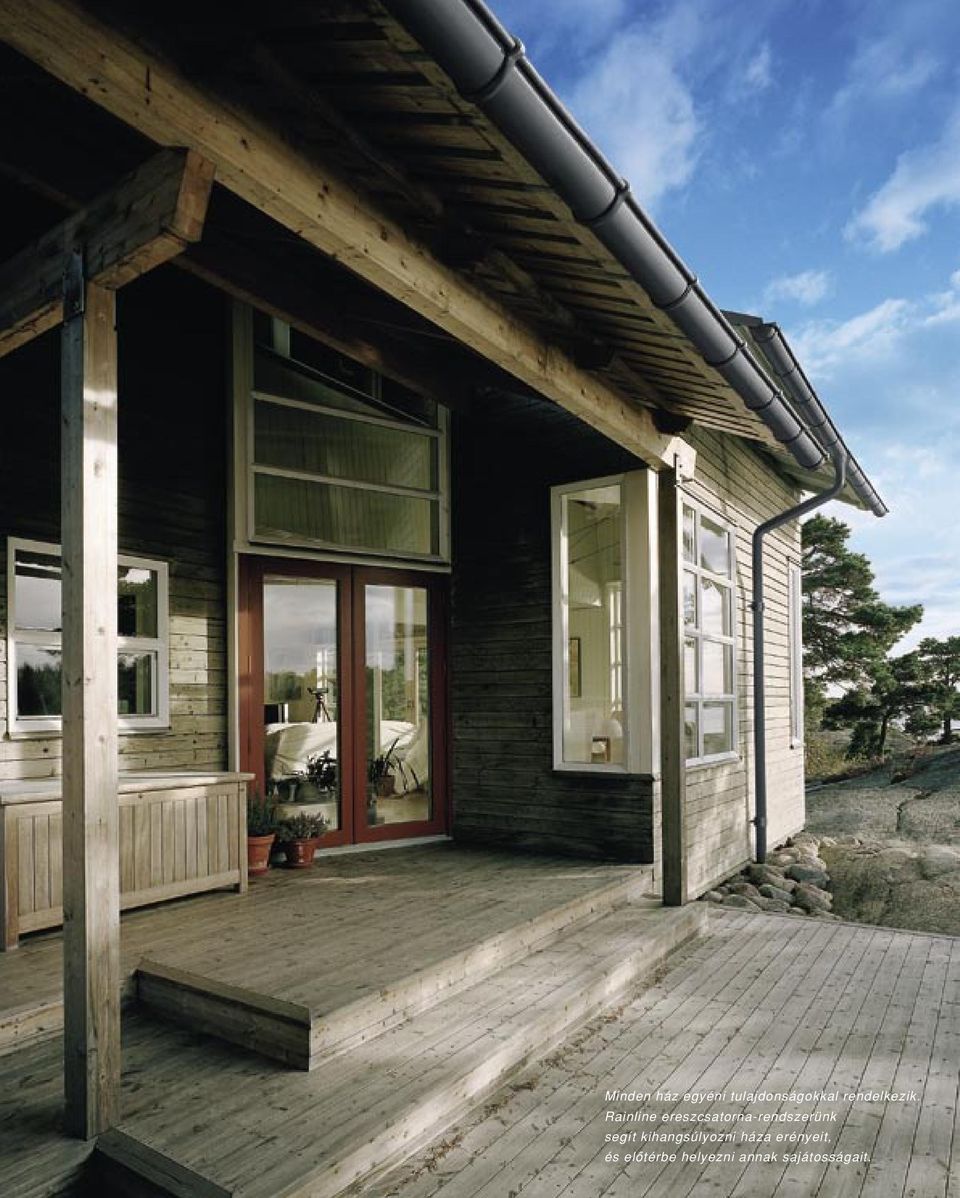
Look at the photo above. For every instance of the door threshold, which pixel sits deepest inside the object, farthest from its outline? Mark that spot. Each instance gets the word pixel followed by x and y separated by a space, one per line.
pixel 376 846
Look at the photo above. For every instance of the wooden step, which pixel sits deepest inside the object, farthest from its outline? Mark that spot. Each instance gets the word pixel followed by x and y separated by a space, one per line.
pixel 30 1023
pixel 303 1037
pixel 237 1130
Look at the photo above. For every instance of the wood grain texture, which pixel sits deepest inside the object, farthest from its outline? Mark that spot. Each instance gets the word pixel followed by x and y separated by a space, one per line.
pixel 144 221
pixel 91 881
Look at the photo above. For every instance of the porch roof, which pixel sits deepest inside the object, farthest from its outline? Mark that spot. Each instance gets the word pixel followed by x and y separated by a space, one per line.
pixel 351 85
pixel 348 85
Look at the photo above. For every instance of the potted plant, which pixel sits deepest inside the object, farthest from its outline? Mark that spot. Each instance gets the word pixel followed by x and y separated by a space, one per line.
pixel 299 836
pixel 319 778
pixel 261 832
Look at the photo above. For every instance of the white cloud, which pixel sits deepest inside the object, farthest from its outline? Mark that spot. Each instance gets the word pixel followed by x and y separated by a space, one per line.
pixel 808 287
pixel 759 74
pixel 884 68
pixel 822 346
pixel 637 106
pixel 923 179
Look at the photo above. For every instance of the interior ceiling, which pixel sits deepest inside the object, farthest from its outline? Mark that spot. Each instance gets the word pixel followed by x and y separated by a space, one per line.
pixel 345 82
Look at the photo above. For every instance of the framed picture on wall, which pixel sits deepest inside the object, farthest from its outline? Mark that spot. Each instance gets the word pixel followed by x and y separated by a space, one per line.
pixel 574 657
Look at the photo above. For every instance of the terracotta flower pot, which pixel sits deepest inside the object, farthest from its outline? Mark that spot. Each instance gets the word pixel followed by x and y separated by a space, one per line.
pixel 258 853
pixel 300 852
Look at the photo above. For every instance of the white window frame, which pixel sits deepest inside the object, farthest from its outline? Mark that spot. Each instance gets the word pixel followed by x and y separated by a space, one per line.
pixel 733 754
pixel 159 645
pixel 795 633
pixel 247 468
pixel 640 637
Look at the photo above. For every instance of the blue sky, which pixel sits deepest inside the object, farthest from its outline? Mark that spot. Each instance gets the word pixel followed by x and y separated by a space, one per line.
pixel 803 156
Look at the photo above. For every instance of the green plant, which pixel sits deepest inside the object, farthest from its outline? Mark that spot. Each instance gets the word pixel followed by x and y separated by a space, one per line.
pixel 378 768
pixel 261 815
pixel 301 827
pixel 321 771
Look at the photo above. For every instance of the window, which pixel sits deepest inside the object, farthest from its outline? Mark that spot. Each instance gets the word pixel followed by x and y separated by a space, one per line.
pixel 339 457
pixel 796 655
pixel 709 658
pixel 34 639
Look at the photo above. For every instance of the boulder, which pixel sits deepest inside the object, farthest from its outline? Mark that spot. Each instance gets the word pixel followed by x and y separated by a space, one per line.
pixel 745 888
pixel 713 896
pixel 781 858
pixel 761 875
pixel 740 902
pixel 796 911
pixel 811 898
pixel 937 859
pixel 810 874
pixel 776 906
pixel 777 893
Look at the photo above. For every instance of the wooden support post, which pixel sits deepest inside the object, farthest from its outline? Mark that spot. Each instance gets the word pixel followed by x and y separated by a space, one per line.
pixel 91 856
pixel 673 772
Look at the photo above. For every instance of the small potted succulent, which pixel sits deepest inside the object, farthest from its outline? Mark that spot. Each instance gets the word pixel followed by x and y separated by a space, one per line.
pixel 261 832
pixel 299 837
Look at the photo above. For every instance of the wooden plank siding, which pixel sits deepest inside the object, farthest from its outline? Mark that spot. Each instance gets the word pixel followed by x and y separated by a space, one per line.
pixel 507 453
pixel 173 437
pixel 732 480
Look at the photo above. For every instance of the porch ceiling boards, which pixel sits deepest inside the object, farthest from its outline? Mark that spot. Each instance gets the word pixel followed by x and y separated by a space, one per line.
pixel 348 85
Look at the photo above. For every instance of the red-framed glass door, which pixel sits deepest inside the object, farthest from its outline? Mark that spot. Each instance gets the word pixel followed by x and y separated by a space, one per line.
pixel 346 664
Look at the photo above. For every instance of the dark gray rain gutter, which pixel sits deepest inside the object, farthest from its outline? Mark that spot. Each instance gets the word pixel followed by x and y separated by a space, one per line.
pixel 490 69
pixel 840 461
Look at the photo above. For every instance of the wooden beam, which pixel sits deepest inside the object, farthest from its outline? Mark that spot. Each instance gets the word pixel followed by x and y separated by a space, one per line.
pixel 145 220
pixel 254 161
pixel 673 769
pixel 91 846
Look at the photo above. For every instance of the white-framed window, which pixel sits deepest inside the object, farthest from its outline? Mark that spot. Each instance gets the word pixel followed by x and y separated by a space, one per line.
pixel 709 610
pixel 34 639
pixel 795 581
pixel 338 458
pixel 605 684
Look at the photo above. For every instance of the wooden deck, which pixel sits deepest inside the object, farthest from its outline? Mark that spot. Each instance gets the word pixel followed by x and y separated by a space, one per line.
pixel 764 1005
pixel 481 937
pixel 352 924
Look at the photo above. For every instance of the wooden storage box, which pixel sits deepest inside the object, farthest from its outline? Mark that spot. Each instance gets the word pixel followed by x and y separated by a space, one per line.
pixel 180 833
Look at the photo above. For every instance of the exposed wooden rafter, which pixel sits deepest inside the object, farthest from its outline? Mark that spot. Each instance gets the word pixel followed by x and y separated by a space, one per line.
pixel 255 162
pixel 148 218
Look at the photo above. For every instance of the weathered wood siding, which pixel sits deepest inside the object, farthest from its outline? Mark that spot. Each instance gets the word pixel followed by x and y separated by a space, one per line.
pixel 733 481
pixel 173 351
pixel 507 453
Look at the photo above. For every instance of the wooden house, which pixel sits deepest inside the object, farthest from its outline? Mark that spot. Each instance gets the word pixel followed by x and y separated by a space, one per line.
pixel 355 412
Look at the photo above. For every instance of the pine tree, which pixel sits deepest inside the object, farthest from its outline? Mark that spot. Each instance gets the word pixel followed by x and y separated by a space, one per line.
pixel 942 661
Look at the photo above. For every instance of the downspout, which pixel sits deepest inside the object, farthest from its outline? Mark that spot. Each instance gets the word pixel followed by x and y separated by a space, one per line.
pixel 840 457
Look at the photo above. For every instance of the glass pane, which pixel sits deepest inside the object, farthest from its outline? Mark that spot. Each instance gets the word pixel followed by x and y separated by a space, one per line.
pixel 689 599
pixel 38 681
pixel 717 668
pixel 319 444
pixel 593 724
pixel 717 728
pixel 279 377
pixel 690 681
pixel 715 608
pixel 689 535
pixel 135 676
pixel 714 547
pixel 37 590
pixel 137 602
pixel 690 731
pixel 290 508
pixel 301 696
pixel 397 706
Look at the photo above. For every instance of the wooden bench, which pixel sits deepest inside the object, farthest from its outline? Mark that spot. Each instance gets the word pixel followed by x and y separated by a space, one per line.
pixel 181 833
